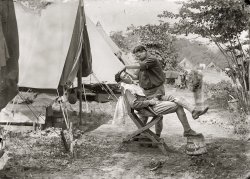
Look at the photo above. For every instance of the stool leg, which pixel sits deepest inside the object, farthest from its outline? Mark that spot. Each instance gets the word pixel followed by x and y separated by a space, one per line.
pixel 164 148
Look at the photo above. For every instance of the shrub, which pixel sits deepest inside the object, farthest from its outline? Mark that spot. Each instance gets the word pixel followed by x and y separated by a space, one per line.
pixel 239 122
pixel 220 93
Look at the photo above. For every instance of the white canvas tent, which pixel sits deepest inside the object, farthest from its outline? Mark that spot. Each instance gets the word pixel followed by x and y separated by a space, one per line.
pixel 54 45
pixel 104 64
pixel 186 64
pixel 126 58
pixel 113 46
pixel 45 40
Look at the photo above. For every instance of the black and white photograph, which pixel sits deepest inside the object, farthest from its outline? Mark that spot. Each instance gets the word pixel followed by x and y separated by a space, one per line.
pixel 124 89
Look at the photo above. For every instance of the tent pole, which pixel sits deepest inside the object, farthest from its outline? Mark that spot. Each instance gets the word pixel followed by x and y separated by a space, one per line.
pixel 79 79
pixel 80 72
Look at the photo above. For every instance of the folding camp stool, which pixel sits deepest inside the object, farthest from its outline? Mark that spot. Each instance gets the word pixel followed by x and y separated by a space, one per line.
pixel 143 129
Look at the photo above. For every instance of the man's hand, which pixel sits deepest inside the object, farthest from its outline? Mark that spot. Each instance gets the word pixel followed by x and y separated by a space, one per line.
pixel 153 101
pixel 118 75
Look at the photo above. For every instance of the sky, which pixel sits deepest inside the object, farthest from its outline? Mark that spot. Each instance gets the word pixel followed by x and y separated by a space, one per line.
pixel 117 15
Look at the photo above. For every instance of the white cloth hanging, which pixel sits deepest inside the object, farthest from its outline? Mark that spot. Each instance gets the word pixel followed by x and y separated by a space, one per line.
pixel 120 112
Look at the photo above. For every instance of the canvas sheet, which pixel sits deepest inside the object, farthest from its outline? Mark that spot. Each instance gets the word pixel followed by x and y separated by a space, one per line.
pixel 9 53
pixel 104 62
pixel 48 45
pixel 112 45
pixel 127 58
pixel 44 43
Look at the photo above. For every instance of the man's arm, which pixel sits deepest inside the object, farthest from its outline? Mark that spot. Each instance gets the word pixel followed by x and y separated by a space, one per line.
pixel 143 65
pixel 133 66
pixel 133 76
pixel 148 63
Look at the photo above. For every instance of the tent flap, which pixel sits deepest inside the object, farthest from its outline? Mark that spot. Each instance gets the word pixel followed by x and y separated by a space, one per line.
pixel 79 50
pixel 9 53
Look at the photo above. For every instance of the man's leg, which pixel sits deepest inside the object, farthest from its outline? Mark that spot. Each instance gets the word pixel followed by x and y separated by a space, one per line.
pixel 196 112
pixel 166 107
pixel 183 118
pixel 180 101
pixel 159 127
pixel 143 118
pixel 185 124
pixel 156 93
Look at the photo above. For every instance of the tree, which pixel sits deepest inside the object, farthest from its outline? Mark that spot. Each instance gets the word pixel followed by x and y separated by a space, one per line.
pixel 119 39
pixel 159 41
pixel 222 21
pixel 156 38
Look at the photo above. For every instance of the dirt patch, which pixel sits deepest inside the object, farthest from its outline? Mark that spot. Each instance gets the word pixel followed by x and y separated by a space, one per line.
pixel 37 155
pixel 100 152
pixel 225 159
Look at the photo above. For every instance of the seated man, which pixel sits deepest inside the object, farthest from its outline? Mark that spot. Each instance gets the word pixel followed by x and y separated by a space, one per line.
pixel 165 105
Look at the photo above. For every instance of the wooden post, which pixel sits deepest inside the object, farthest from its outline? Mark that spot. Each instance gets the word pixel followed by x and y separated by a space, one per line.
pixel 64 141
pixel 72 141
pixel 80 90
pixel 80 71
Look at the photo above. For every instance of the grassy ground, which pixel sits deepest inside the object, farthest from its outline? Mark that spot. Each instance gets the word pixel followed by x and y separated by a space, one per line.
pixel 100 153
pixel 41 154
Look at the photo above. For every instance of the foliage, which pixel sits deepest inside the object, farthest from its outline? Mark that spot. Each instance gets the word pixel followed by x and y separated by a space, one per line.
pixel 155 37
pixel 220 93
pixel 119 39
pixel 222 21
pixel 238 120
pixel 159 41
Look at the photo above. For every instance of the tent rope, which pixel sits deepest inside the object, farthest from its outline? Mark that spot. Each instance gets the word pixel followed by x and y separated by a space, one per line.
pixel 12 107
pixel 34 112
pixel 37 117
pixel 30 105
pixel 65 115
pixel 102 86
pixel 63 112
pixel 9 123
pixel 109 91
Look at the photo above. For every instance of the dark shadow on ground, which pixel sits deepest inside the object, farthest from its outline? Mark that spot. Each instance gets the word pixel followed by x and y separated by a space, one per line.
pixel 226 158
